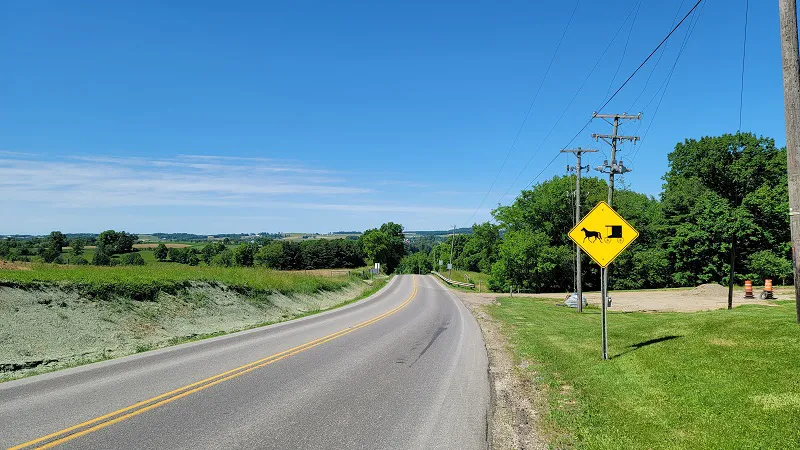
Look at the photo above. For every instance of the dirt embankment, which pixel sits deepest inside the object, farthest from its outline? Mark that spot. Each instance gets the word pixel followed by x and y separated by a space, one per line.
pixel 52 327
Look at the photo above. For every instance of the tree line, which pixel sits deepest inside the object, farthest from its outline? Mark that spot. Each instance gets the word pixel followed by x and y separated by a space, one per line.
pixel 719 192
pixel 279 255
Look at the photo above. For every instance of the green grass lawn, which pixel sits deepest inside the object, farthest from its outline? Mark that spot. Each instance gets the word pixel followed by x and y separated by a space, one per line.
pixel 145 281
pixel 716 379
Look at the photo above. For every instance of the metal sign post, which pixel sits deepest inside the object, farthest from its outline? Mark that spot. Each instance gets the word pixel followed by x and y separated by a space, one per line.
pixel 604 309
pixel 603 234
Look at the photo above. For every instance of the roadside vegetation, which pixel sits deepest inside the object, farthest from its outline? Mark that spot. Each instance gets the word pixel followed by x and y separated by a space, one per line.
pixel 144 283
pixel 717 190
pixel 715 379
pixel 55 316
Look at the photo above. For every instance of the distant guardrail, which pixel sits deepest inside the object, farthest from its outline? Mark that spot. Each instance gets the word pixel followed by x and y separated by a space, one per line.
pixel 455 283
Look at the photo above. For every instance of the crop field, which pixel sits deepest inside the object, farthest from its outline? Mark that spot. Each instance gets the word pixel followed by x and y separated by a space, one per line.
pixel 711 379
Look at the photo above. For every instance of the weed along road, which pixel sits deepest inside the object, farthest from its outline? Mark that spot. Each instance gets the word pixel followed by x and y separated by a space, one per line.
pixel 405 368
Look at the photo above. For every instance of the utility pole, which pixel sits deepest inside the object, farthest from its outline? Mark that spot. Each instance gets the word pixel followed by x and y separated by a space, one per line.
pixel 611 169
pixel 452 244
pixel 578 168
pixel 791 101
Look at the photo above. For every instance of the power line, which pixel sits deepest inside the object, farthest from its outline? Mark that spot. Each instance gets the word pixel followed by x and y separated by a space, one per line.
pixel 616 92
pixel 651 54
pixel 744 56
pixel 625 49
pixel 667 80
pixel 564 112
pixel 528 113
pixel 658 61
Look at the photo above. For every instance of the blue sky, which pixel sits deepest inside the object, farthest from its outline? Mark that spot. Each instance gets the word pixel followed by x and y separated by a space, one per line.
pixel 213 117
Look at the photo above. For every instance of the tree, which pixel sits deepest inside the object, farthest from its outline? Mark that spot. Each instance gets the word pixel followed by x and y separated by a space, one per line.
pixel 58 240
pixel 78 261
pixel 243 254
pixel 132 259
pixel 384 245
pixel 179 255
pixel 101 258
pixel 77 246
pixel 223 258
pixel 193 259
pixel 161 252
pixel 271 255
pixel 211 250
pixel 415 263
pixel 766 264
pixel 718 188
pixel 113 242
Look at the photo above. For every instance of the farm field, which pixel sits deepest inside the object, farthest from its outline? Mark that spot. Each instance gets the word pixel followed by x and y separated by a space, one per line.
pixel 711 379
pixel 311 236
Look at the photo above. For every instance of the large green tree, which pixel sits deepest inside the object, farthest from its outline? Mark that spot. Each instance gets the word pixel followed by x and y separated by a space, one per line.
pixel 721 189
pixel 384 245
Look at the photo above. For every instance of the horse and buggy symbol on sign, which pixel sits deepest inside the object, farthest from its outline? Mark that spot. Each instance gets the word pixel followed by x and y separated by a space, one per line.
pixel 612 232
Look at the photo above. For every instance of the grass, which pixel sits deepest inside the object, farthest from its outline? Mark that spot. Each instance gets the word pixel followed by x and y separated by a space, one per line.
pixel 144 282
pixel 714 379
pixel 467 277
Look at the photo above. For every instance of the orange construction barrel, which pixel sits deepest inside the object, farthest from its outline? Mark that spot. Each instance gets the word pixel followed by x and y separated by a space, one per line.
pixel 748 289
pixel 768 285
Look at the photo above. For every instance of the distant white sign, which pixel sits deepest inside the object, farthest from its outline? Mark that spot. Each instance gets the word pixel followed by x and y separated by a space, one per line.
pixel 449 266
pixel 441 262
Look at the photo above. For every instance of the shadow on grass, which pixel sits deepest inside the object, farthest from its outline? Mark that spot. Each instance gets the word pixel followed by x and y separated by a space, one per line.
pixel 639 345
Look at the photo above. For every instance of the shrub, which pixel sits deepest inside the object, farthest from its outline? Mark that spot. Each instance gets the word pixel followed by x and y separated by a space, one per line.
pixel 78 261
pixel 224 258
pixel 161 252
pixel 131 259
pixel 101 259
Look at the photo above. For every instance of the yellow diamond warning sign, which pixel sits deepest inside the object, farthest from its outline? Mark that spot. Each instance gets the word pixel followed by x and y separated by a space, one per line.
pixel 603 234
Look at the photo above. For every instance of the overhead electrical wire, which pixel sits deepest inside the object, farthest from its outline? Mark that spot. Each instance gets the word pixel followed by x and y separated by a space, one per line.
pixel 625 49
pixel 658 61
pixel 665 84
pixel 528 113
pixel 615 93
pixel 566 109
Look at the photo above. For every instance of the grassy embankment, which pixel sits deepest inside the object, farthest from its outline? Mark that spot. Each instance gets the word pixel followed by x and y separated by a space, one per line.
pixel 467 277
pixel 714 379
pixel 56 316
pixel 144 282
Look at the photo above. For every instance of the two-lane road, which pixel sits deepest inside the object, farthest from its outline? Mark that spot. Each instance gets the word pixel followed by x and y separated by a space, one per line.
pixel 406 368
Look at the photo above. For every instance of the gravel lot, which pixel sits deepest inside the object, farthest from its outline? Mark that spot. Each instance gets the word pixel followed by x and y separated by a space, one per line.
pixel 702 298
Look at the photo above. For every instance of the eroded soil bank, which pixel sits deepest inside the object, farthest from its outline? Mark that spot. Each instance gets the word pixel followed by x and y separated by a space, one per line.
pixel 50 327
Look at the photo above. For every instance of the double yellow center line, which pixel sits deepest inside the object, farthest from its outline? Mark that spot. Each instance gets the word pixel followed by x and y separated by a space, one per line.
pixel 98 423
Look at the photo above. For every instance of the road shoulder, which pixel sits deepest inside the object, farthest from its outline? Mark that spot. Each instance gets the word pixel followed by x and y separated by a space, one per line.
pixel 514 421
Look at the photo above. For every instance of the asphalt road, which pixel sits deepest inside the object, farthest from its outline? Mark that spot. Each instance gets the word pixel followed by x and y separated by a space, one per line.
pixel 406 368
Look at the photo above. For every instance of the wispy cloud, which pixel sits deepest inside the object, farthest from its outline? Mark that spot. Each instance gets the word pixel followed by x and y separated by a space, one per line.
pixel 99 181
pixel 84 190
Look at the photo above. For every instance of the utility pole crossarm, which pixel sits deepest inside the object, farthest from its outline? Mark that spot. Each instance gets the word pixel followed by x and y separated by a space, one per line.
pixel 579 150
pixel 619 138
pixel 617 116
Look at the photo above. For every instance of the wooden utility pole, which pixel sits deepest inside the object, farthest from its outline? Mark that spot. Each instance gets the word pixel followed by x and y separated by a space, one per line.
pixel 791 101
pixel 452 244
pixel 612 169
pixel 578 168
